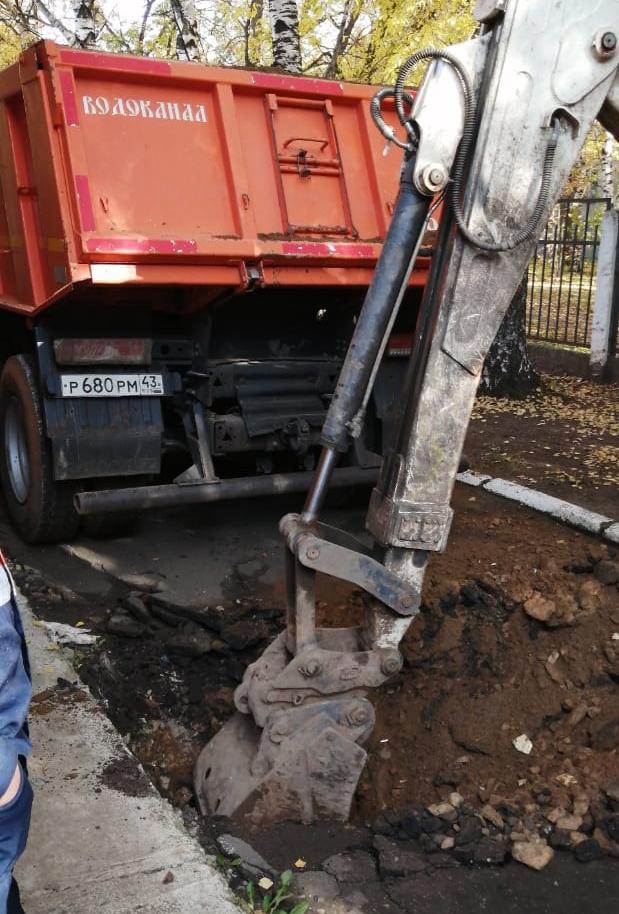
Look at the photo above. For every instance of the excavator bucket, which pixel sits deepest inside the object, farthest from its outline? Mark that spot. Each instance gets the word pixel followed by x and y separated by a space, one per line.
pixel 294 748
pixel 268 776
pixel 278 757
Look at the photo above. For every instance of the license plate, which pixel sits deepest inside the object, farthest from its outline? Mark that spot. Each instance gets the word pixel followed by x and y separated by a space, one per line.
pixel 112 385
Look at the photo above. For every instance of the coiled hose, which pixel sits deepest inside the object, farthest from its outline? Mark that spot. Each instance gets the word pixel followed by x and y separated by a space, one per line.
pixel 386 129
pixel 530 229
pixel 464 148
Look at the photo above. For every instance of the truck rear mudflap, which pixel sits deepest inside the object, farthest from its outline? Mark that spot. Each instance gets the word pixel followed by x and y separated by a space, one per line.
pixel 108 437
pixel 102 403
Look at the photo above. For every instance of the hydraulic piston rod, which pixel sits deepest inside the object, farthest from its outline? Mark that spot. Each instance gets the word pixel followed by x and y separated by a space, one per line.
pixel 380 308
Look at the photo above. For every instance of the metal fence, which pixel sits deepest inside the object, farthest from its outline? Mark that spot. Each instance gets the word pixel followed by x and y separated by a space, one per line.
pixel 562 274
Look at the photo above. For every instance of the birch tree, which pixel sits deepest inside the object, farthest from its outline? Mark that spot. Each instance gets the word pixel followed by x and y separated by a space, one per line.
pixel 608 167
pixel 286 38
pixel 188 42
pixel 85 28
pixel 29 21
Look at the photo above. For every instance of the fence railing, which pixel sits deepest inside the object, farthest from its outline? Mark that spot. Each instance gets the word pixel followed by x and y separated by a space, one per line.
pixel 562 273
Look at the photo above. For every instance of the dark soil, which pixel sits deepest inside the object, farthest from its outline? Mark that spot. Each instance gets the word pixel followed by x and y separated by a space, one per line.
pixel 169 705
pixel 121 774
pixel 478 672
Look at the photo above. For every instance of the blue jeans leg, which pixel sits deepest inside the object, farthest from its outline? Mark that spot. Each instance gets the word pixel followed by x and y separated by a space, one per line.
pixel 14 825
pixel 5 888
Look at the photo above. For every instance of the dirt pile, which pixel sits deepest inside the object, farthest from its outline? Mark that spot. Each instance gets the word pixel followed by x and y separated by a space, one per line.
pixel 485 667
pixel 508 701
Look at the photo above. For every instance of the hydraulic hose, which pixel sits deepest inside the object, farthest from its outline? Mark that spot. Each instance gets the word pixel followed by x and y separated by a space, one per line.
pixel 386 129
pixel 383 298
pixel 431 54
pixel 461 160
pixel 530 229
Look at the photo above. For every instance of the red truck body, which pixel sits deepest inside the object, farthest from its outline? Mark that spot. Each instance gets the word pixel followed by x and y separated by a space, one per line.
pixel 211 229
pixel 124 170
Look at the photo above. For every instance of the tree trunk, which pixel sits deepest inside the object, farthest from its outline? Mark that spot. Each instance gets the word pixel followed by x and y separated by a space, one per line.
pixel 40 11
pixel 286 39
pixel 256 9
pixel 148 7
pixel 85 30
pixel 343 37
pixel 508 371
pixel 188 41
pixel 608 167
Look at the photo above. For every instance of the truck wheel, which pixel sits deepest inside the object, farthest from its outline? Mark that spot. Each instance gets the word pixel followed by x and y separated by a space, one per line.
pixel 40 508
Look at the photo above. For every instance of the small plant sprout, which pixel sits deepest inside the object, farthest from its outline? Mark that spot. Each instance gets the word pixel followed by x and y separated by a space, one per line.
pixel 274 902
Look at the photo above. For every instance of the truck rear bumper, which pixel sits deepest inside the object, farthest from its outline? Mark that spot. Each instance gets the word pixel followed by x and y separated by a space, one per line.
pixel 173 495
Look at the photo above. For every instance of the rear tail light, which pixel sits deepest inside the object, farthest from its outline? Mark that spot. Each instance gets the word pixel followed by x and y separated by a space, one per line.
pixel 102 352
pixel 400 346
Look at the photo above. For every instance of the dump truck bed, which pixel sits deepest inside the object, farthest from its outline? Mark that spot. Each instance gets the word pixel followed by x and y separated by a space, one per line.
pixel 120 170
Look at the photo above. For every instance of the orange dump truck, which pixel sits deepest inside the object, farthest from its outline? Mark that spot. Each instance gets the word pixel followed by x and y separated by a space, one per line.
pixel 183 251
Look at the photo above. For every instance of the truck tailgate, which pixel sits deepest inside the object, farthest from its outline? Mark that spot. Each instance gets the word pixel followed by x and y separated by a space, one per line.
pixel 164 172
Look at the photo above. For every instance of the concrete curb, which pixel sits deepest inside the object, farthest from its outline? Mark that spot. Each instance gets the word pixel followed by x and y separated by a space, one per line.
pixel 95 847
pixel 563 511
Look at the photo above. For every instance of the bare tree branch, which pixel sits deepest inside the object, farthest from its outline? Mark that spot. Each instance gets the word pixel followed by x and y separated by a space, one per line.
pixel 148 6
pixel 51 19
pixel 347 23
pixel 119 37
pixel 316 61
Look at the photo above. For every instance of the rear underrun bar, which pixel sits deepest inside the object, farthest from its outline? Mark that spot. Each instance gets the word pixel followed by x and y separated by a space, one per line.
pixel 143 498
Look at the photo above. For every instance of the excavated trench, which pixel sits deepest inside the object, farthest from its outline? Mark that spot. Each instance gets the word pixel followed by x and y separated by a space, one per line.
pixel 484 665
pixel 517 646
pixel 479 672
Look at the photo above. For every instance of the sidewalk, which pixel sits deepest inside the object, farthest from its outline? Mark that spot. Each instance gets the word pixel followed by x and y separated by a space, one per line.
pixel 93 848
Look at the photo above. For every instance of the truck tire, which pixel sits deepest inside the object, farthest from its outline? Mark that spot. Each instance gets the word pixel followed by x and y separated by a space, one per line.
pixel 41 508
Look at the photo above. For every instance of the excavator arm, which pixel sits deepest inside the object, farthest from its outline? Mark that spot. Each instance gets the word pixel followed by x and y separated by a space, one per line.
pixel 493 132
